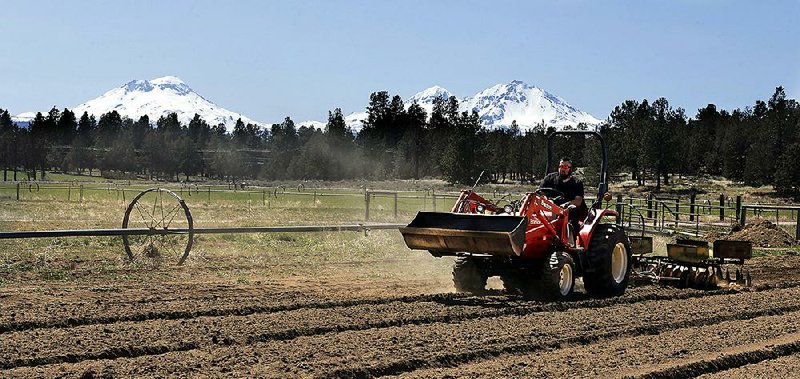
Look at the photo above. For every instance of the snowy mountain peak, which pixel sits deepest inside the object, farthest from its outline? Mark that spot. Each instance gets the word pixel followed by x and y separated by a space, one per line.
pixel 428 95
pixel 171 83
pixel 138 85
pixel 168 80
pixel 160 97
pixel 500 105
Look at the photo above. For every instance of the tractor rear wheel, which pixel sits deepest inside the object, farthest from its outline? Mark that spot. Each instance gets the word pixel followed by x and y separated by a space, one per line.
pixel 609 260
pixel 468 276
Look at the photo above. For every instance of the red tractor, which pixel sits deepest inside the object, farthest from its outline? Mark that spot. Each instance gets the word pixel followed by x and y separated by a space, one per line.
pixel 529 243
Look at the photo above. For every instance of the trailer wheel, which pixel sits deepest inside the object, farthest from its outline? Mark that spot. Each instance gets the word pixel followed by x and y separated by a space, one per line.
pixel 609 257
pixel 468 277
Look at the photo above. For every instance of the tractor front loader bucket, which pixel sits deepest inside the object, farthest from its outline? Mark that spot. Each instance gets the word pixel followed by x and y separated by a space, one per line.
pixel 449 233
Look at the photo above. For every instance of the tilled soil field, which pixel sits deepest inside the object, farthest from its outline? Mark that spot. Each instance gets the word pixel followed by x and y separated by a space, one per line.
pixel 338 327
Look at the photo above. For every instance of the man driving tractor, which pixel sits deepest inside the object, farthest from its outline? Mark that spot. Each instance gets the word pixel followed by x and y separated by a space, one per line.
pixel 572 188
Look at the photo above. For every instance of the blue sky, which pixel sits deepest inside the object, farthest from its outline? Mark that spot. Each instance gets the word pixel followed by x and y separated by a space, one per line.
pixel 270 59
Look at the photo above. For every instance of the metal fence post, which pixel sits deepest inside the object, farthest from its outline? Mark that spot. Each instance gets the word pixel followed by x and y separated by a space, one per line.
pixel 81 192
pixel 630 212
pixel 619 210
pixel 677 211
pixel 797 227
pixel 738 206
pixel 721 207
pixel 744 215
pixel 395 205
pixel 209 194
pixel 366 205
pixel 649 205
pixel 692 199
pixel 17 191
pixel 433 199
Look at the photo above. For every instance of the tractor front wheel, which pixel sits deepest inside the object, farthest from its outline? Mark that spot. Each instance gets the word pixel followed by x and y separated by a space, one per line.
pixel 548 280
pixel 557 277
pixel 609 257
pixel 468 276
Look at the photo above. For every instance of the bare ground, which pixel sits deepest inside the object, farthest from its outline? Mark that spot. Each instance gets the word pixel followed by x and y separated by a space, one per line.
pixel 336 326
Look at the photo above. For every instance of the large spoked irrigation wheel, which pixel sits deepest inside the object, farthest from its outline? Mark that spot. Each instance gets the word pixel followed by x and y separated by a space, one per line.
pixel 170 226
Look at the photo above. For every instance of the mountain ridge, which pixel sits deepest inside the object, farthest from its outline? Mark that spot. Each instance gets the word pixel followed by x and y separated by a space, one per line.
pixel 497 106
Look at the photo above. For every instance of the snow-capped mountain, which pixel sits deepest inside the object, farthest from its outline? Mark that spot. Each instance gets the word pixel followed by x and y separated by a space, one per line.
pixel 23 119
pixel 354 120
pixel 312 124
pixel 497 106
pixel 500 105
pixel 160 97
pixel 426 97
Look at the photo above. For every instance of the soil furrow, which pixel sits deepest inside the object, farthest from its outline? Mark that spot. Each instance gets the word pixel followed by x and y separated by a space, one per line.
pixel 219 312
pixel 38 305
pixel 394 350
pixel 725 361
pixel 445 298
pixel 627 355
pixel 454 359
pixel 119 352
pixel 783 367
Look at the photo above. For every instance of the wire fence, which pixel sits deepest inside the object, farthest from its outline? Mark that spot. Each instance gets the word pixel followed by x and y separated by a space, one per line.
pixel 690 215
pixel 693 216
pixel 368 204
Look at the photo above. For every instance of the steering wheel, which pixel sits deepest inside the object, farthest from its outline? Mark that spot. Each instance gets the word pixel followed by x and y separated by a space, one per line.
pixel 550 193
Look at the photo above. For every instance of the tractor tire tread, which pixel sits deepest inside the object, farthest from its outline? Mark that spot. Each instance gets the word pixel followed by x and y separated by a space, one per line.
pixel 468 276
pixel 599 281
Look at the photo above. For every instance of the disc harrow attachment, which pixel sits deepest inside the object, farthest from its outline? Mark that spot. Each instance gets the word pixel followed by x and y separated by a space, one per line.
pixel 690 264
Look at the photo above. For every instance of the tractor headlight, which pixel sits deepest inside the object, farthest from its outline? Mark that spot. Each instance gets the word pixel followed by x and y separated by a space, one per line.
pixel 480 208
pixel 508 209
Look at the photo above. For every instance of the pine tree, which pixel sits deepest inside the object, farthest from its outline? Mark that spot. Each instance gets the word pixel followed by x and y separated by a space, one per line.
pixel 9 133
pixel 35 153
pixel 411 149
pixel 282 144
pixel 762 151
pixel 787 176
pixel 199 133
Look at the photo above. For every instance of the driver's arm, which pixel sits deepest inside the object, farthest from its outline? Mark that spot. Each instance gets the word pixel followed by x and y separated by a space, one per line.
pixel 544 182
pixel 578 200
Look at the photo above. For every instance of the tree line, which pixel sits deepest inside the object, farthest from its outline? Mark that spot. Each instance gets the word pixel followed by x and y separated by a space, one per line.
pixel 758 145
